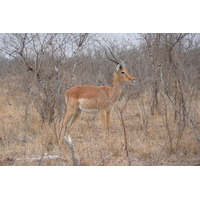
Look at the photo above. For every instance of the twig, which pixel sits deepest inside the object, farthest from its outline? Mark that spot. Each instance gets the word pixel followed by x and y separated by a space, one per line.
pixel 71 146
pixel 125 134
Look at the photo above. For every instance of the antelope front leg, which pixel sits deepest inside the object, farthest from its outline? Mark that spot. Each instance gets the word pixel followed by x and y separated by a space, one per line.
pixel 108 119
pixel 103 120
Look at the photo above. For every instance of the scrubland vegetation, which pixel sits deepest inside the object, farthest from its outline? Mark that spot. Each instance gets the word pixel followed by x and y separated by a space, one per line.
pixel 156 121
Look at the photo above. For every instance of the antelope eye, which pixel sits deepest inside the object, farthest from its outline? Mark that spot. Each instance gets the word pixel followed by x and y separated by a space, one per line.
pixel 123 72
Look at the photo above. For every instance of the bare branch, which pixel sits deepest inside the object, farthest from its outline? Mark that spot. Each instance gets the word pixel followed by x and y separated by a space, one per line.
pixel 72 148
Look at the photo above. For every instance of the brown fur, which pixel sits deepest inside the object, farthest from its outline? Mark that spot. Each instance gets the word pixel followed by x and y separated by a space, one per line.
pixel 90 98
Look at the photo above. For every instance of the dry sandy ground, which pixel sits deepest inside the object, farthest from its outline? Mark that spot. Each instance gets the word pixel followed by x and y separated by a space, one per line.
pixel 24 135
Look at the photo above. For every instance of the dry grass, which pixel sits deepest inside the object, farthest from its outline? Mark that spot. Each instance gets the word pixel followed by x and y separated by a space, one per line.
pixel 24 135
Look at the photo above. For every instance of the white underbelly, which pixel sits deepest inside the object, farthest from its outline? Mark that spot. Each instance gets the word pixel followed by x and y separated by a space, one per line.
pixel 92 111
pixel 85 104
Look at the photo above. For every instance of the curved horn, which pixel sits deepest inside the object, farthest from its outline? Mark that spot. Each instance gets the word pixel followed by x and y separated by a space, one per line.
pixel 116 62
pixel 119 61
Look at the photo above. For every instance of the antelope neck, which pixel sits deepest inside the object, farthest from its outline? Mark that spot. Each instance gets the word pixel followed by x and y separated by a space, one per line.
pixel 116 90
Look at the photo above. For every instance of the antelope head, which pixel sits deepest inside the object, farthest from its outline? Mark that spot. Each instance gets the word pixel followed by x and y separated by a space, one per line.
pixel 121 72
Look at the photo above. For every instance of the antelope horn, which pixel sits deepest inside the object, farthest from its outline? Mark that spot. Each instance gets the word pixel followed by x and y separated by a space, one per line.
pixel 121 62
pixel 116 62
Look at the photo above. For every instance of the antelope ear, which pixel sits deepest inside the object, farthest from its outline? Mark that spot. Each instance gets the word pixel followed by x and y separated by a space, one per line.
pixel 118 67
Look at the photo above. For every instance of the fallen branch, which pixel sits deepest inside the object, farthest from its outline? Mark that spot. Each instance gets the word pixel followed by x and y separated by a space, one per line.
pixel 39 158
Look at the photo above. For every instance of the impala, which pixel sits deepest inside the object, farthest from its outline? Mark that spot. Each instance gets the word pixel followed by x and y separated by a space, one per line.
pixel 92 99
